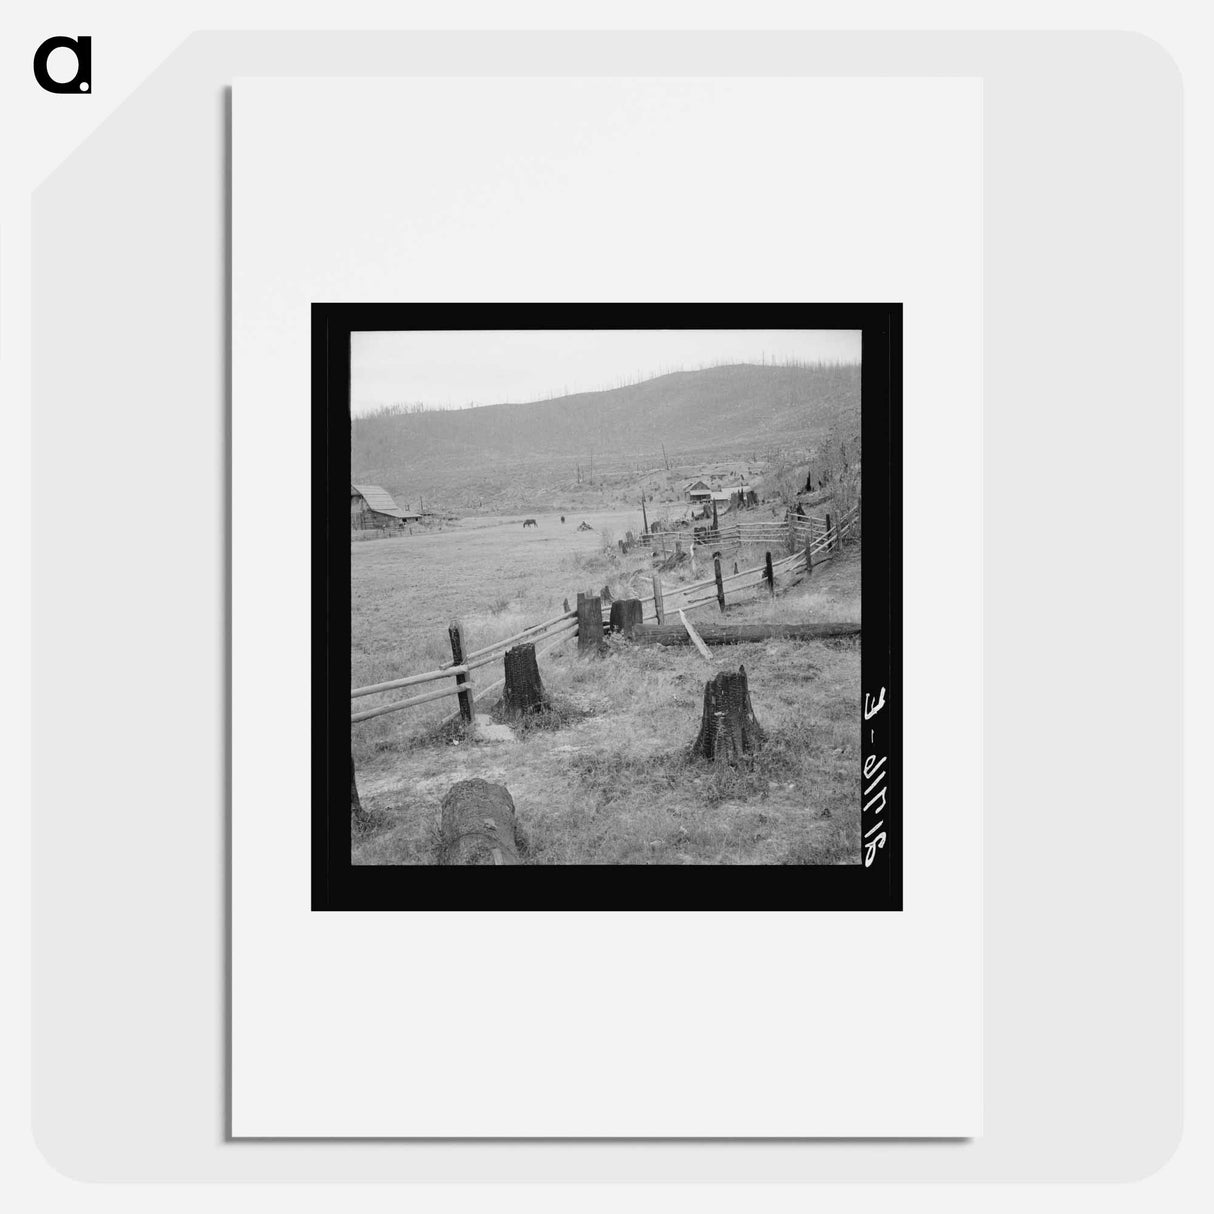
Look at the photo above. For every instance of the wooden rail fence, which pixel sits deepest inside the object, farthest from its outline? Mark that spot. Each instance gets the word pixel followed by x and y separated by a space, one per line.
pixel 793 533
pixel 550 633
pixel 818 544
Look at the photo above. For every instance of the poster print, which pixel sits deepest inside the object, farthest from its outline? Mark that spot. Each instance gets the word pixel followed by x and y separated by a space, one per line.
pixel 606 587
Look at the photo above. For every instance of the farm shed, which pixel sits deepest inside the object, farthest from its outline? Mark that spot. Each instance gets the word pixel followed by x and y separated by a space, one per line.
pixel 371 506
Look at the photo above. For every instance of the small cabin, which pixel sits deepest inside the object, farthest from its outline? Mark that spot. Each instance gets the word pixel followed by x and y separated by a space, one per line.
pixel 372 506
pixel 698 491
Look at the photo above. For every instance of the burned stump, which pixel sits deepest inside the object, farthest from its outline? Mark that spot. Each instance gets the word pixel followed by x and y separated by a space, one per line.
pixel 625 616
pixel 729 732
pixel 524 692
pixel 478 825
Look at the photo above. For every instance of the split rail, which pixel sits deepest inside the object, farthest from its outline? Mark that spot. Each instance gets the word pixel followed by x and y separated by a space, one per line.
pixel 819 544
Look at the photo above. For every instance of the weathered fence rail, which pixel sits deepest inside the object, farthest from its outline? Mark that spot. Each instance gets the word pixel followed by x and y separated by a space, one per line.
pixel 817 543
pixel 794 532
pixel 550 632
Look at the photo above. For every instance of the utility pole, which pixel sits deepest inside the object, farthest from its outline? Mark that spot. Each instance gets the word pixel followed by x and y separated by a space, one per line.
pixel 644 516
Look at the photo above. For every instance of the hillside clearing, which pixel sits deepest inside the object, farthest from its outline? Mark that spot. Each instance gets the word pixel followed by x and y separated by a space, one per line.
pixel 607 779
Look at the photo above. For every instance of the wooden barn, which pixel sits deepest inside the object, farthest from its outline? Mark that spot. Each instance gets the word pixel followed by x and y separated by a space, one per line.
pixel 371 506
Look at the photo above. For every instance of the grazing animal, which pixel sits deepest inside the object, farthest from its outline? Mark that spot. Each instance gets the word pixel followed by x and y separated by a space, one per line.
pixel 562 518
pixel 530 522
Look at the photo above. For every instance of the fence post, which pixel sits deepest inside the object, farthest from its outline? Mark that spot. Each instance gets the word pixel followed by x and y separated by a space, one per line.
pixel 455 632
pixel 716 566
pixel 714 514
pixel 658 606
pixel 589 623
pixel 830 544
pixel 770 574
pixel 809 556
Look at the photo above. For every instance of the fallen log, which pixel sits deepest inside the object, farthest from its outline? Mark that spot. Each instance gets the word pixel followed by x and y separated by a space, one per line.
pixel 736 634
pixel 478 825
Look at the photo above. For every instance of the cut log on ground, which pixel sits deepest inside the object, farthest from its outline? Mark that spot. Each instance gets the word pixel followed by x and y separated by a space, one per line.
pixel 736 634
pixel 625 616
pixel 479 825
pixel 729 732
pixel 524 694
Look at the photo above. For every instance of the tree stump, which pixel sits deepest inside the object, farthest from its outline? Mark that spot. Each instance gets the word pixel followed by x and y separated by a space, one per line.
pixel 478 825
pixel 524 692
pixel 729 732
pixel 625 616
pixel 356 807
pixel 589 624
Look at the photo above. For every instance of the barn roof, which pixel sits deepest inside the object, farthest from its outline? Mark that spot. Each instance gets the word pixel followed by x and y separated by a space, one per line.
pixel 380 500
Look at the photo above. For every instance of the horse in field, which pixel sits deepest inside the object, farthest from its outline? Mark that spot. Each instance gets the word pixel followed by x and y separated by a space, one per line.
pixel 529 522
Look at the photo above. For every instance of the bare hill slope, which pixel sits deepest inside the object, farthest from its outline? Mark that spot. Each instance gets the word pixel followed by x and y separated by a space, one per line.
pixel 510 455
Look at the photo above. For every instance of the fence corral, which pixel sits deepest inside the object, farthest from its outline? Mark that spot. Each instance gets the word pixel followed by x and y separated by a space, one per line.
pixel 816 541
pixel 794 533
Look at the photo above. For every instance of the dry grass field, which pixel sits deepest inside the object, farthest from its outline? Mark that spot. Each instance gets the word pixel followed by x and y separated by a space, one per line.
pixel 605 777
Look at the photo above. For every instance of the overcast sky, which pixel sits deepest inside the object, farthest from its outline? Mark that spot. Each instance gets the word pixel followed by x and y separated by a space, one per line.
pixel 487 367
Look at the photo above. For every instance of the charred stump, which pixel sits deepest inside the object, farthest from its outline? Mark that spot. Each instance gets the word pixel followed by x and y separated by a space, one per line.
pixel 524 692
pixel 729 732
pixel 478 825
pixel 625 616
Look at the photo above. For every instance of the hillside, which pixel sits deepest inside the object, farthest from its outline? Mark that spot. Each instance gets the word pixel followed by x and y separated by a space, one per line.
pixel 517 456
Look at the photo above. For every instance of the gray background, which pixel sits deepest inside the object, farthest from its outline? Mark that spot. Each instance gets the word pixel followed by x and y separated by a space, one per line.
pixel 1082 545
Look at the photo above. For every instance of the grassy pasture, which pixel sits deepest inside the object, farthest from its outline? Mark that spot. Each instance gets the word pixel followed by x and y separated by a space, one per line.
pixel 606 779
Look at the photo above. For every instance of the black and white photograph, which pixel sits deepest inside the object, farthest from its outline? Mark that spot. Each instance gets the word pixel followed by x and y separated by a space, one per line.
pixel 607 596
